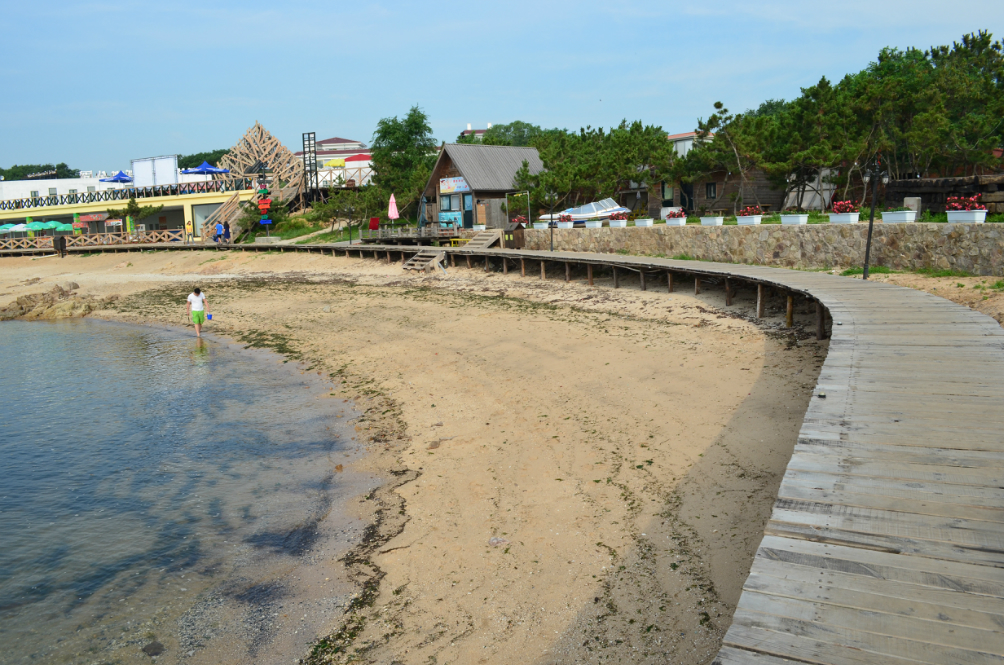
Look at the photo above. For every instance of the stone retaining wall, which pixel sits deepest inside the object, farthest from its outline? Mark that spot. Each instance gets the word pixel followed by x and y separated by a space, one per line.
pixel 973 248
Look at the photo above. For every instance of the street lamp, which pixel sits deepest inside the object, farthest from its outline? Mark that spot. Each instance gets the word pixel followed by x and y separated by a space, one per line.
pixel 551 198
pixel 873 175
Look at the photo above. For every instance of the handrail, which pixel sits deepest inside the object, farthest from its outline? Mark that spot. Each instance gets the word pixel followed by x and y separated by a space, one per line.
pixel 182 189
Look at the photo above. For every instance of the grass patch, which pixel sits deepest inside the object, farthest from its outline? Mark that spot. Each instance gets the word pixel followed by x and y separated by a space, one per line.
pixel 872 270
pixel 935 272
pixel 684 257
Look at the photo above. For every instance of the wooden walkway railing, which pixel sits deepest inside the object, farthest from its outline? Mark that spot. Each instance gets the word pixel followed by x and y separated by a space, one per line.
pixel 95 240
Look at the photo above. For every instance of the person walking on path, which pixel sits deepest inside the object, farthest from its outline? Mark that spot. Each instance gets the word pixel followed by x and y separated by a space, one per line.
pixel 197 306
pixel 219 232
pixel 226 232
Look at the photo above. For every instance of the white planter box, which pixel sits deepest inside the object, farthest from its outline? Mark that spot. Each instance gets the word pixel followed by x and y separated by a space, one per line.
pixel 844 217
pixel 479 227
pixel 712 221
pixel 967 216
pixel 618 223
pixel 899 216
pixel 794 219
pixel 540 225
pixel 748 220
pixel 565 225
pixel 594 224
pixel 644 222
pixel 676 221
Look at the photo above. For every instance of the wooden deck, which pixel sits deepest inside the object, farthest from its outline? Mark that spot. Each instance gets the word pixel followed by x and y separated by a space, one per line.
pixel 886 541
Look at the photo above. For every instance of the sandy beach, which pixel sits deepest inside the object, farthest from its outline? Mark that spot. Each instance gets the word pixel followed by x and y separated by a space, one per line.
pixel 573 474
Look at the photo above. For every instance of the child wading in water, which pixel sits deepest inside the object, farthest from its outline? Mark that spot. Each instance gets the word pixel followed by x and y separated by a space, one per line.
pixel 197 305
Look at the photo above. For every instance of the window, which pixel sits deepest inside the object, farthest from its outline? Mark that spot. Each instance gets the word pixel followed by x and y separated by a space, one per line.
pixel 449 203
pixel 52 191
pixel 72 191
pixel 711 190
pixel 34 193
pixel 90 188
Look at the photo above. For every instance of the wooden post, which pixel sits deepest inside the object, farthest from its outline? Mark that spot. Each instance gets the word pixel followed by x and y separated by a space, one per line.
pixel 589 271
pixel 669 281
pixel 617 281
pixel 760 298
pixel 641 277
pixel 543 275
pixel 789 318
pixel 522 268
pixel 505 266
pixel 568 272
pixel 820 321
pixel 453 261
pixel 486 264
pixel 468 260
pixel 697 285
pixel 728 292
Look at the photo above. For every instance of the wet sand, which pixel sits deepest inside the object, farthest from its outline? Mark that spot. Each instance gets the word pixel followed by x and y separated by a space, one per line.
pixel 573 474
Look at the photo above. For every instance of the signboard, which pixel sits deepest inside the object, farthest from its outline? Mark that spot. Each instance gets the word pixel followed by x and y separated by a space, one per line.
pixel 113 222
pixel 94 217
pixel 80 225
pixel 451 217
pixel 152 171
pixel 451 185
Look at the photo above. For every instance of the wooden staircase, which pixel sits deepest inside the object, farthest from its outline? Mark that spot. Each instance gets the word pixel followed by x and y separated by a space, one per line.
pixel 229 211
pixel 427 259
pixel 484 239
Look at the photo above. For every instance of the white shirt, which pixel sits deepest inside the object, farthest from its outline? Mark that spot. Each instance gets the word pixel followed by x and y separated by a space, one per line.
pixel 198 301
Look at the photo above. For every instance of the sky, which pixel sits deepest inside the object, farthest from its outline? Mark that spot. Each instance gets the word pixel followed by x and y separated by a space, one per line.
pixel 95 84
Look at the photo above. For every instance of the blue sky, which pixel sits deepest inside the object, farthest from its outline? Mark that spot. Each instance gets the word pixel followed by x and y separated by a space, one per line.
pixel 95 84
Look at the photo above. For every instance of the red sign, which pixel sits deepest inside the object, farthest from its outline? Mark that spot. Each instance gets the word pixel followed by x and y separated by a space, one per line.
pixel 94 217
pixel 80 225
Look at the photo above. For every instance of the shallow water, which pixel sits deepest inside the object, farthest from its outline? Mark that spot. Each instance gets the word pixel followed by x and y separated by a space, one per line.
pixel 161 492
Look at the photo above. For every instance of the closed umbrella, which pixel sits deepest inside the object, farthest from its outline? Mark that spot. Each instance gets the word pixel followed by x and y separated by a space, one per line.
pixel 392 209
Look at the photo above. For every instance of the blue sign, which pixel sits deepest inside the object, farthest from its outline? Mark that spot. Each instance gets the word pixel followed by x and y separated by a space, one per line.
pixel 266 221
pixel 451 217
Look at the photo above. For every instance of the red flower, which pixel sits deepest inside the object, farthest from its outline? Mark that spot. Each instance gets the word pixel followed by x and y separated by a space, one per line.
pixel 965 203
pixel 749 211
pixel 842 207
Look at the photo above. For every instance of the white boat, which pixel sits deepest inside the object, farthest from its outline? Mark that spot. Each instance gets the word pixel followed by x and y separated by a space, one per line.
pixel 589 212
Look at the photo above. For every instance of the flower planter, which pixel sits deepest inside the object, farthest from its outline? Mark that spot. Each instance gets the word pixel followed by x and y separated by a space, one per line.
pixel 967 216
pixel 618 223
pixel 644 222
pixel 844 217
pixel 479 227
pixel 676 221
pixel 540 225
pixel 899 216
pixel 594 224
pixel 748 220
pixel 712 221
pixel 565 225
pixel 794 219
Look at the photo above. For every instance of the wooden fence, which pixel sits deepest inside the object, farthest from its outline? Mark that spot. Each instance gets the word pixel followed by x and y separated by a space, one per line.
pixel 96 239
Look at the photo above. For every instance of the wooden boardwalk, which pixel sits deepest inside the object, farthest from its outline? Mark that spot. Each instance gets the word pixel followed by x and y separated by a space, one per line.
pixel 886 542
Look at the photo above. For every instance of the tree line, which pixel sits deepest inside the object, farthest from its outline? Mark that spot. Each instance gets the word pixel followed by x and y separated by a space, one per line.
pixel 916 113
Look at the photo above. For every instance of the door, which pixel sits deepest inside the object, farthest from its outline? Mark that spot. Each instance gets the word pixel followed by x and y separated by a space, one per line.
pixel 468 211
pixel 687 196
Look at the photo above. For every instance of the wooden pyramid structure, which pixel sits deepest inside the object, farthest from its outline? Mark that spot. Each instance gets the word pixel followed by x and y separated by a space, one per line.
pixel 258 147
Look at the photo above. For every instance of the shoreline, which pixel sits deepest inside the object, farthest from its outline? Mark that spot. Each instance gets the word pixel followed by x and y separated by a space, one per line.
pixel 664 505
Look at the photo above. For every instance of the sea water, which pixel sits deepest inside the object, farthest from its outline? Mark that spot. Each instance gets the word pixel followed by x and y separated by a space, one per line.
pixel 165 493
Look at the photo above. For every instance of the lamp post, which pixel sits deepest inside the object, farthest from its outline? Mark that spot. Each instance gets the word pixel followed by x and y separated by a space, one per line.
pixel 350 210
pixel 873 174
pixel 551 199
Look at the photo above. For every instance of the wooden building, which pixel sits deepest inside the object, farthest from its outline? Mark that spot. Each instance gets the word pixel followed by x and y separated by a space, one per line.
pixel 469 183
pixel 934 192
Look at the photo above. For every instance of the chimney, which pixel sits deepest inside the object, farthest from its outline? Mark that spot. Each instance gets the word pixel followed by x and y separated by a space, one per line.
pixel 468 126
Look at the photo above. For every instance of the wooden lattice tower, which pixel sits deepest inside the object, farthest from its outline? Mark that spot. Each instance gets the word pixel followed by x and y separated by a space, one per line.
pixel 258 146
